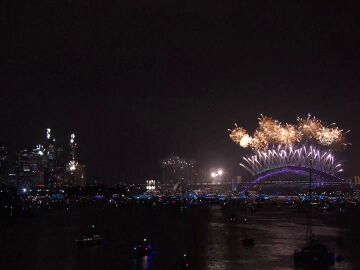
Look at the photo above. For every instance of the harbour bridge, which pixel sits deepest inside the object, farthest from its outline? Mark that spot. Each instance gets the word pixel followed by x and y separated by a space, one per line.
pixel 277 179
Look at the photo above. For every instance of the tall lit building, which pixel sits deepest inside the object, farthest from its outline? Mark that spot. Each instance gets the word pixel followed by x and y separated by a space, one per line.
pixel 150 185
pixel 357 180
pixel 76 176
pixel 41 165
pixel 44 164
pixel 49 160
pixel 29 167
pixel 4 157
pixel 52 162
pixel 72 164
pixel 75 171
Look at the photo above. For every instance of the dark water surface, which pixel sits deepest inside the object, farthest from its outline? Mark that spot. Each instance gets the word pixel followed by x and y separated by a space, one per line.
pixel 46 239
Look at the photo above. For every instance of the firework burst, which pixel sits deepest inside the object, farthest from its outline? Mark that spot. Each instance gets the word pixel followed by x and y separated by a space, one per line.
pixel 309 126
pixel 277 145
pixel 271 132
pixel 284 156
pixel 239 136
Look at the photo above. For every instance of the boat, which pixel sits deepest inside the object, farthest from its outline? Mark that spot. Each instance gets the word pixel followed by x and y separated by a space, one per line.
pixel 89 240
pixel 247 241
pixel 314 255
pixel 143 249
pixel 232 218
pixel 185 264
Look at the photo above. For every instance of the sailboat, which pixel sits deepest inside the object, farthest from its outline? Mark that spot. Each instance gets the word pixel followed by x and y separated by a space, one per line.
pixel 247 241
pixel 144 249
pixel 314 255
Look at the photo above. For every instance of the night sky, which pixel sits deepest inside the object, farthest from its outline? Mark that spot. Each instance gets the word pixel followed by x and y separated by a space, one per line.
pixel 139 80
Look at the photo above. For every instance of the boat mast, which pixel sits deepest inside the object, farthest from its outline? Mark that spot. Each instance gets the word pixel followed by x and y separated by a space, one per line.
pixel 244 228
pixel 309 223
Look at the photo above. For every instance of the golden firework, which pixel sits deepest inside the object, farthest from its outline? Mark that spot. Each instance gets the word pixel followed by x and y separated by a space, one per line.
pixel 272 132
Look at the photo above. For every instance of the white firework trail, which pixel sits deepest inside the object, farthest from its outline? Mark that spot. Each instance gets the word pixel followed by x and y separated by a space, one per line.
pixel 288 156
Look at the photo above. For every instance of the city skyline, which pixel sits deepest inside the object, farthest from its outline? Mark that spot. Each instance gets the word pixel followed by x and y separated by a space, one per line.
pixel 181 135
pixel 160 177
pixel 45 163
pixel 174 82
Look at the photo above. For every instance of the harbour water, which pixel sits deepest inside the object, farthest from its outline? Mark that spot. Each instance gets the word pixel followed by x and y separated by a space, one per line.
pixel 45 240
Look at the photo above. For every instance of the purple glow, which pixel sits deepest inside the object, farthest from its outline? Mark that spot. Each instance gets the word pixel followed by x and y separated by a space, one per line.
pixel 285 156
pixel 319 179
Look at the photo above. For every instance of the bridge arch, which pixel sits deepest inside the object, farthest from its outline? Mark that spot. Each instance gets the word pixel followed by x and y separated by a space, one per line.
pixel 295 175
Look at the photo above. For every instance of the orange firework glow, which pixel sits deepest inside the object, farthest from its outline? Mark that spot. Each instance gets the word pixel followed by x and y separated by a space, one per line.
pixel 273 132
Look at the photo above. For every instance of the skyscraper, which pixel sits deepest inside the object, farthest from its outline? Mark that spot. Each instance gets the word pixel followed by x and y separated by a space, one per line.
pixel 75 171
pixel 28 167
pixel 4 156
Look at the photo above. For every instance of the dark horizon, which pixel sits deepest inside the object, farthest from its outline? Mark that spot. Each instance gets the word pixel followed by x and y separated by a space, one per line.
pixel 137 83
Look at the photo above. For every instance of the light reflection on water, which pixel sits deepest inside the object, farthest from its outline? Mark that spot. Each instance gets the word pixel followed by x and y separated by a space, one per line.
pixel 276 238
pixel 205 234
pixel 144 263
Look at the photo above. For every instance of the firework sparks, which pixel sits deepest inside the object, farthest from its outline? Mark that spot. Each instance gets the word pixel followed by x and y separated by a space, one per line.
pixel 309 126
pixel 177 162
pixel 237 135
pixel 329 136
pixel 272 132
pixel 269 128
pixel 284 156
pixel 245 141
pixel 259 141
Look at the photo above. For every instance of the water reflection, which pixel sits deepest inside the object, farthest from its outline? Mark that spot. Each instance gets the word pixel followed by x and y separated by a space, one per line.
pixel 206 235
pixel 143 263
